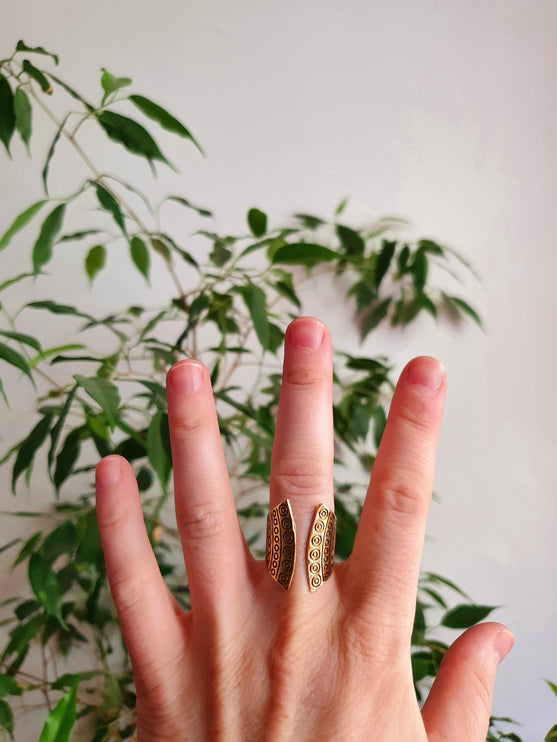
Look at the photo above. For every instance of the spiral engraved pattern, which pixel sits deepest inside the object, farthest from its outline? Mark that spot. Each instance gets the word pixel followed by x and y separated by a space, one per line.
pixel 280 550
pixel 321 547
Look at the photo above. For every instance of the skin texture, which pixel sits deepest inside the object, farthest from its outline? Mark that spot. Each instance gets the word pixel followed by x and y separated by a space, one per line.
pixel 252 661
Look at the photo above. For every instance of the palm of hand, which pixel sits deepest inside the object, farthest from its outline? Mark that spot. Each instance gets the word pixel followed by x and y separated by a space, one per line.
pixel 252 661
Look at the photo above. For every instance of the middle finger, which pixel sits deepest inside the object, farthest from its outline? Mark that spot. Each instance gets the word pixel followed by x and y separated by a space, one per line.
pixel 302 456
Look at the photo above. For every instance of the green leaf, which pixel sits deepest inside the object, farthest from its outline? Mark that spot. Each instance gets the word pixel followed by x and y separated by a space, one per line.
pixel 15 359
pixel 552 686
pixel 286 290
pixel 26 339
pixel 51 151
pixel 28 548
pixel 42 250
pixel 402 260
pixel 551 736
pixel 60 722
pixel 179 199
pixel 95 261
pixel 465 309
pixel 6 718
pixel 384 261
pixel 38 76
pixel 56 308
pixel 22 47
pixel 379 422
pixel 220 255
pixel 257 222
pixel 304 253
pixel 110 83
pixel 256 302
pixel 131 135
pixel 374 316
pixel 104 392
pixel 57 429
pixel 19 222
pixel 430 246
pixel 162 249
pixel 53 351
pixel 158 447
pixel 9 686
pixel 23 115
pixel 71 92
pixel 419 270
pixel 29 448
pixel 109 203
pixel 309 221
pixel 163 118
pixel 347 524
pixel 351 240
pixel 342 205
pixel 69 453
pixel 140 256
pixel 78 235
pixel 7 115
pixel 463 616
pixel 44 583
pixel 3 393
pixel 69 678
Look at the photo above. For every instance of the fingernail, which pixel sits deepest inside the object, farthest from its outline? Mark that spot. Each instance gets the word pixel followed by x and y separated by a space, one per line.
pixel 107 472
pixel 503 644
pixel 306 333
pixel 185 376
pixel 426 372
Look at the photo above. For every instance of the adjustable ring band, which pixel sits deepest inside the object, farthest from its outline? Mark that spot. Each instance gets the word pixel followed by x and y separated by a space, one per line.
pixel 280 551
pixel 321 547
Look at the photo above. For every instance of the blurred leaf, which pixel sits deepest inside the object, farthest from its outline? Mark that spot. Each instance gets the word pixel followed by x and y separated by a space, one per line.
pixel 162 249
pixel 304 253
pixel 51 151
pixel 60 722
pixel 15 359
pixel 464 308
pixel 419 270
pixel 71 92
pixel 109 203
pixel 42 250
pixel 95 261
pixel 287 290
pixel 7 115
pixel 44 583
pixel 384 261
pixel 379 422
pixel 552 686
pixel 189 205
pixel 38 76
pixel 463 616
pixel 23 115
pixel 374 316
pixel 104 392
pixel 256 302
pixel 9 686
pixel 68 455
pixel 551 736
pixel 341 206
pixel 22 338
pixel 140 256
pixel 26 609
pixel 15 279
pixel 110 83
pixel 56 308
pixel 29 448
pixel 431 247
pixel 220 255
pixel 69 678
pixel 158 446
pixel 257 222
pixel 6 718
pixel 347 523
pixel 163 118
pixel 19 222
pixel 28 548
pixel 309 221
pixel 79 235
pixel 350 240
pixel 131 135
pixel 22 47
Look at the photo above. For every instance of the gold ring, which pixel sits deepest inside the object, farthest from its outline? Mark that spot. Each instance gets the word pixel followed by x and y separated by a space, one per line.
pixel 321 547
pixel 280 550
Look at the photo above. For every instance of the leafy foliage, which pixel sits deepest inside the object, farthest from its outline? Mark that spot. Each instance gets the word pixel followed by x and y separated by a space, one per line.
pixel 117 405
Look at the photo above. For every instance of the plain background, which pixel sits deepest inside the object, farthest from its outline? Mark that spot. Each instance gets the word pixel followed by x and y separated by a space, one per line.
pixel 441 112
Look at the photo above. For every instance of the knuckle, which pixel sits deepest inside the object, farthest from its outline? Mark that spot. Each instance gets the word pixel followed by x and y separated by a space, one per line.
pixel 129 593
pixel 400 497
pixel 415 417
pixel 303 377
pixel 481 686
pixel 300 477
pixel 184 424
pixel 202 521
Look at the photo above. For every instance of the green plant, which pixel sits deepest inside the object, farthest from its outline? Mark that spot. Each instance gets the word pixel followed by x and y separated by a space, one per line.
pixel 243 291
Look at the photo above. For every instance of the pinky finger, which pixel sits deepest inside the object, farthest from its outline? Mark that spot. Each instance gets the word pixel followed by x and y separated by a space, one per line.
pixel 460 700
pixel 141 597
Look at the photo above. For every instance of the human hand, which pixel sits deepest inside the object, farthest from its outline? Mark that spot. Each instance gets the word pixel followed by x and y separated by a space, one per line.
pixel 252 661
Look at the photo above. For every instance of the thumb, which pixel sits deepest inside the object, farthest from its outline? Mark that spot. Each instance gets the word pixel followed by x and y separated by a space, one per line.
pixel 459 704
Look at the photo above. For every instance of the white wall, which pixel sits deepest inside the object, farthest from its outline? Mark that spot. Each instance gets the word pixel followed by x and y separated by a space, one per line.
pixel 443 112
